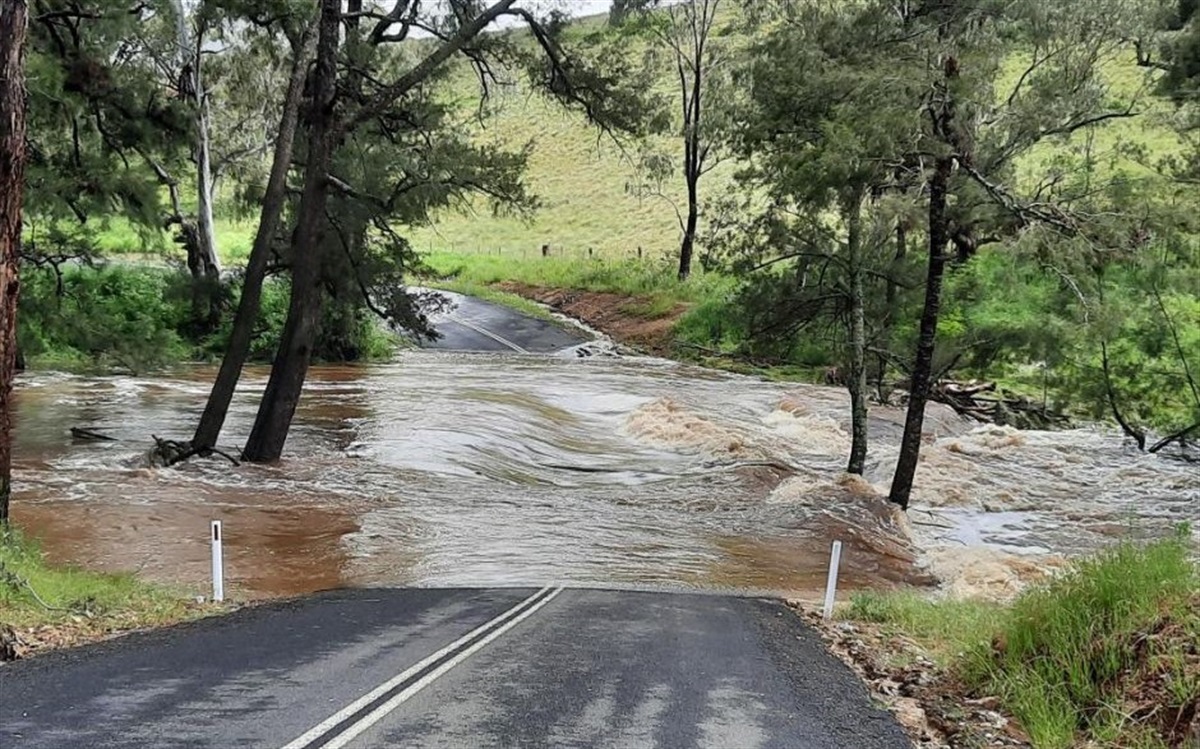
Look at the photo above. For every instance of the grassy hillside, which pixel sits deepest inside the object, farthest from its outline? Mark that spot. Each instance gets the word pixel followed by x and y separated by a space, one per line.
pixel 584 179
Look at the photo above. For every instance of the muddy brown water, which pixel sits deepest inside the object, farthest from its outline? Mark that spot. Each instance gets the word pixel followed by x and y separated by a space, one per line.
pixel 449 469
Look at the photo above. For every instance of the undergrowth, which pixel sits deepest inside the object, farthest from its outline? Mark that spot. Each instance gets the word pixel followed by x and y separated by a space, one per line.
pixel 1107 652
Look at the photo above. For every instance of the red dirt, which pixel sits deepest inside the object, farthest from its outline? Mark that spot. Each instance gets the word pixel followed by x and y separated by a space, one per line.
pixel 618 316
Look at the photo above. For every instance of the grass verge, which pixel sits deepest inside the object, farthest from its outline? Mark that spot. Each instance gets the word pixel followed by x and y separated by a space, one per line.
pixel 653 282
pixel 44 607
pixel 497 296
pixel 1106 654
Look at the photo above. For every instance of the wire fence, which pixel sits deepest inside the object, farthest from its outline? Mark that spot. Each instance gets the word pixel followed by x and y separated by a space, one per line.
pixel 581 253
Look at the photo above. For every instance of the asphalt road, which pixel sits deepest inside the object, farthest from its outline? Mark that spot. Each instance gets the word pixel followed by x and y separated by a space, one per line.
pixel 454 669
pixel 476 325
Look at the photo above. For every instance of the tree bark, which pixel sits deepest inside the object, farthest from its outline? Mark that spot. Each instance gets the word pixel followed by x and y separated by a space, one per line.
pixel 290 367
pixel 14 19
pixel 939 237
pixel 686 248
pixel 857 383
pixel 274 199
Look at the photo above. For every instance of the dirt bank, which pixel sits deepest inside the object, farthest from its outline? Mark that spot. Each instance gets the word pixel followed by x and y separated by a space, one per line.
pixel 623 318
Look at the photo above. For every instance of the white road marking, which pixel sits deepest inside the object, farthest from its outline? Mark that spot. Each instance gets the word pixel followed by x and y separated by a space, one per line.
pixel 523 608
pixel 484 331
pixel 382 711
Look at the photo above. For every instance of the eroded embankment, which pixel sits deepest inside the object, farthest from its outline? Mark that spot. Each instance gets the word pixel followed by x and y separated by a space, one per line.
pixel 628 320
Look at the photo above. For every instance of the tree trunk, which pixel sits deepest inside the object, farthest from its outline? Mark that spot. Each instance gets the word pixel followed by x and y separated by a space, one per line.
pixel 891 303
pixel 217 407
pixel 910 443
pixel 689 234
pixel 13 21
pixel 857 383
pixel 290 367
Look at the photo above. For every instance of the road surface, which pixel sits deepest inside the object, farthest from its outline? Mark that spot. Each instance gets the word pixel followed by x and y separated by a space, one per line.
pixel 476 325
pixel 454 669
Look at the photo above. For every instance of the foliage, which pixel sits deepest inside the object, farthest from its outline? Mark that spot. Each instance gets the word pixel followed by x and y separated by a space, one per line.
pixel 1073 659
pixel 110 317
pixel 1069 648
pixel 136 317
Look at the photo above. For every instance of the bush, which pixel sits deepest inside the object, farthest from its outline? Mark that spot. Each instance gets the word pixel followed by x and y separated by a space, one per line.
pixel 136 317
pixel 1071 652
pixel 110 317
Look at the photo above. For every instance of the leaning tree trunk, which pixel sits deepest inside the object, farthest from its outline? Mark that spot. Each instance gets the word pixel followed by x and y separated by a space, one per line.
pixel 13 21
pixel 290 367
pixel 939 237
pixel 217 407
pixel 857 383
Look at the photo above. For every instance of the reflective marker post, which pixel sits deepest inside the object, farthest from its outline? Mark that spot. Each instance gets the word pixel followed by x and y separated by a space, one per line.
pixel 218 571
pixel 831 584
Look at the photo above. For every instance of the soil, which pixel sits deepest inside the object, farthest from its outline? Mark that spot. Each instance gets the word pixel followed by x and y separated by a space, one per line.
pixel 622 318
pixel 83 628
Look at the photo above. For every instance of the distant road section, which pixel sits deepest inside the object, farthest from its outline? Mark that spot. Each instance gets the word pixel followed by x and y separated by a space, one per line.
pixel 476 325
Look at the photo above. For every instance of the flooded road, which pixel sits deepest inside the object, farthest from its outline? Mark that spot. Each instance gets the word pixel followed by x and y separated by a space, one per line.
pixel 498 469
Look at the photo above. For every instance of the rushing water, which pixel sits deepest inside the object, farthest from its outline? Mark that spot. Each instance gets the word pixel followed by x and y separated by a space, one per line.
pixel 476 469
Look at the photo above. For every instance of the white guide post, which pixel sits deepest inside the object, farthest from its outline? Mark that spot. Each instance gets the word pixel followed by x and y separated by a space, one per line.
pixel 218 571
pixel 835 559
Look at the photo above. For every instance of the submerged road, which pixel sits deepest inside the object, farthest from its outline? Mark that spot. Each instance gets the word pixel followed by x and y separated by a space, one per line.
pixel 476 325
pixel 457 669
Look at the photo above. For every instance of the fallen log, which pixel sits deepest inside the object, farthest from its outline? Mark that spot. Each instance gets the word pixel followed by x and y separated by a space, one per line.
pixel 986 403
pixel 1181 437
pixel 81 433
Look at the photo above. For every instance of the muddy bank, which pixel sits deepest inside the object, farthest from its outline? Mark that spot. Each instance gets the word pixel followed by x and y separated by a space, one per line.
pixel 620 317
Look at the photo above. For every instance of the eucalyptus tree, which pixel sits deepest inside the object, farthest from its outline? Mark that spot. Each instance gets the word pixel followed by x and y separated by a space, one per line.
pixel 825 139
pixel 684 41
pixel 14 20
pixel 979 84
pixel 297 26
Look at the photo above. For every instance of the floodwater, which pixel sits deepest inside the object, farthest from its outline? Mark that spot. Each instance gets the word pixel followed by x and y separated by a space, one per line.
pixel 454 469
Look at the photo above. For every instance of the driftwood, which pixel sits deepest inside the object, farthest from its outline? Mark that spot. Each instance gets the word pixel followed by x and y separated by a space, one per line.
pixel 984 402
pixel 170 452
pixel 1180 437
pixel 80 433
pixel 165 453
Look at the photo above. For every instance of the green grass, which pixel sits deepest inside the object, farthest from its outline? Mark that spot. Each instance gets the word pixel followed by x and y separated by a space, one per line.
pixel 652 281
pixel 1073 659
pixel 120 238
pixel 73 596
pixel 948 629
pixel 492 294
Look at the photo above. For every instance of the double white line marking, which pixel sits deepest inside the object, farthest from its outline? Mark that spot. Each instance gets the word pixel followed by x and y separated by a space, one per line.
pixel 347 724
pixel 484 331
